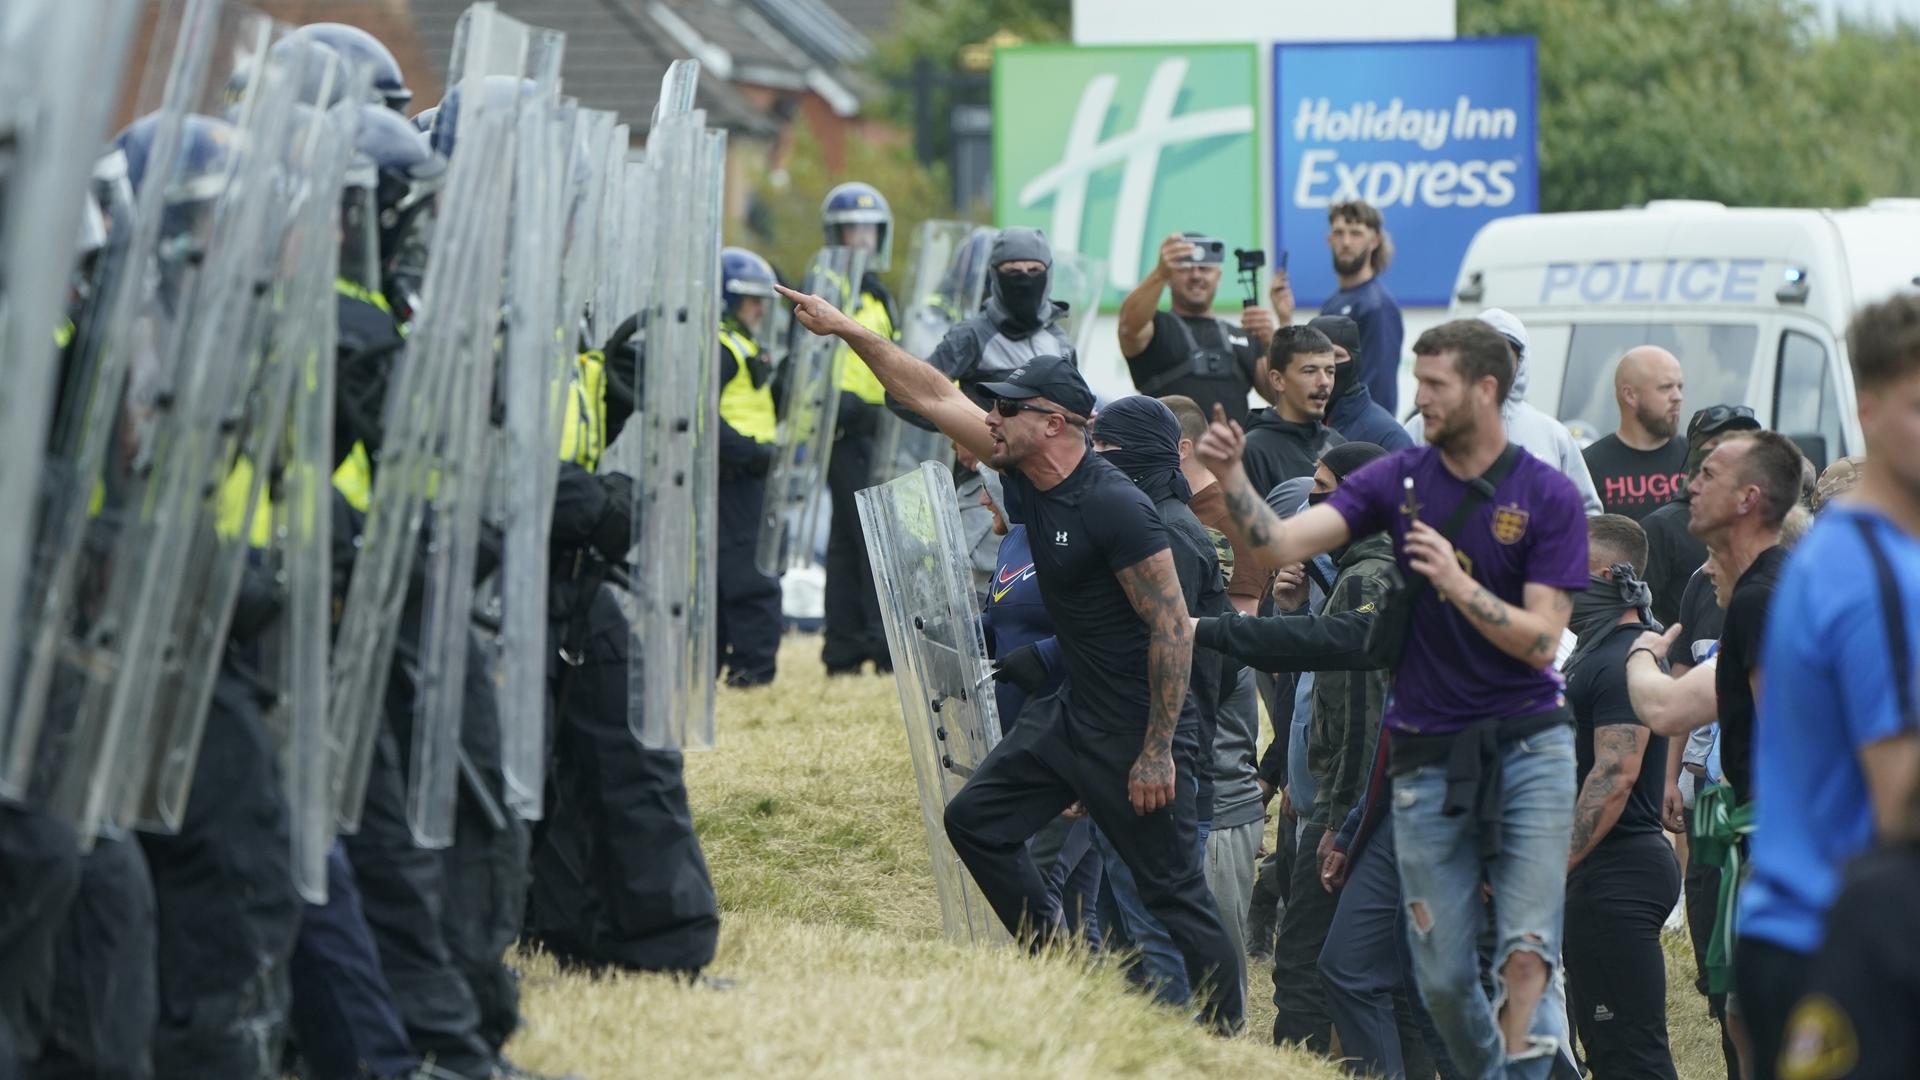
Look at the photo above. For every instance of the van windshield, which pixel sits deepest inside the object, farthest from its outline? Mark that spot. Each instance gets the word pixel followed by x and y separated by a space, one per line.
pixel 1718 359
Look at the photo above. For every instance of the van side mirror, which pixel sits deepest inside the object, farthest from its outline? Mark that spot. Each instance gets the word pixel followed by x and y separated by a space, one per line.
pixel 1815 447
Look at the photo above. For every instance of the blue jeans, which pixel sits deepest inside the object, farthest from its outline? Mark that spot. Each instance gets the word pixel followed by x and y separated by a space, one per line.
pixel 1441 872
pixel 1126 921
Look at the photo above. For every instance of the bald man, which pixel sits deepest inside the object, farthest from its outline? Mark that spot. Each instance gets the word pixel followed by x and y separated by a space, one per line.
pixel 1644 464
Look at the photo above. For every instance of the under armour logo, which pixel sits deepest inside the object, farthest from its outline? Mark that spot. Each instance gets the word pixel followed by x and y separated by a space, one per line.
pixel 1060 539
pixel 1086 152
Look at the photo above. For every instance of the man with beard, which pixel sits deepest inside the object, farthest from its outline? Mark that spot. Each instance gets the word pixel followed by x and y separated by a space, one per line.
pixel 1123 736
pixel 1493 543
pixel 1622 877
pixel 1287 440
pixel 1644 464
pixel 1357 236
pixel 1187 350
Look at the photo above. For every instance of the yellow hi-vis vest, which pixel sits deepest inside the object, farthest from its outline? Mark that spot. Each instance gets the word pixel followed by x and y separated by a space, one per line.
pixel 583 423
pixel 746 408
pixel 849 371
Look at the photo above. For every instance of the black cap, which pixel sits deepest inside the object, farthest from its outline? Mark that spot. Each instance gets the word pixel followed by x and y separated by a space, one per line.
pixel 1340 330
pixel 1716 419
pixel 1052 377
pixel 1345 458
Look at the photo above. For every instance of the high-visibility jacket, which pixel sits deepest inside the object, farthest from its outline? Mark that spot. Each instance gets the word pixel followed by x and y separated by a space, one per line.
pixel 583 422
pixel 745 407
pixel 850 372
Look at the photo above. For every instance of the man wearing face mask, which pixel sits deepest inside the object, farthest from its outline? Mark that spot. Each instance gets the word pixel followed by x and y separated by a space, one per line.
pixel 1016 324
pixel 1352 411
pixel 1622 875
pixel 1187 350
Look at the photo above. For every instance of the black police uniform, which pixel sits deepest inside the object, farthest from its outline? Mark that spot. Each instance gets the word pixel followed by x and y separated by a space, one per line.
pixel 748 613
pixel 854 633
pixel 618 876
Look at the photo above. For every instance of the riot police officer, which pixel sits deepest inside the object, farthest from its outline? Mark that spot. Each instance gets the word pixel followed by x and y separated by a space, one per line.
pixel 749 601
pixel 856 215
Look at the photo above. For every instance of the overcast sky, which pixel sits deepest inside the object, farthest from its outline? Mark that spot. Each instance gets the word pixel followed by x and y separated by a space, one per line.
pixel 1908 9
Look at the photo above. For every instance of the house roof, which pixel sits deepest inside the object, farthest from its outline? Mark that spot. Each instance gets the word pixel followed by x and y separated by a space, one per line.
pixel 791 45
pixel 615 57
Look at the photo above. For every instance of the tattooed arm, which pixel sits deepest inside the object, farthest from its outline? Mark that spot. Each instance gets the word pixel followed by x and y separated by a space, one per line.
pixel 1154 590
pixel 1617 750
pixel 1529 632
pixel 1256 530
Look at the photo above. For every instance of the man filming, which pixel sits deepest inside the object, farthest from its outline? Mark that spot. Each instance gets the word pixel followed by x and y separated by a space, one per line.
pixel 1188 350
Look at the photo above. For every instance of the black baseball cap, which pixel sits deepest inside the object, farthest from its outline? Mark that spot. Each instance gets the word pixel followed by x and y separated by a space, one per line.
pixel 1052 377
pixel 1717 419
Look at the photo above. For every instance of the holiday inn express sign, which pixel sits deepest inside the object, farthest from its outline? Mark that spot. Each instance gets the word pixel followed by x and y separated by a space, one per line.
pixel 1110 148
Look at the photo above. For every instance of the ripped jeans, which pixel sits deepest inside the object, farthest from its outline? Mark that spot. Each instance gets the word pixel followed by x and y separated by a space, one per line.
pixel 1441 872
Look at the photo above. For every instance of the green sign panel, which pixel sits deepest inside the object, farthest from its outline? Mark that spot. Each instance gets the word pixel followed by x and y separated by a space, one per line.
pixel 1111 149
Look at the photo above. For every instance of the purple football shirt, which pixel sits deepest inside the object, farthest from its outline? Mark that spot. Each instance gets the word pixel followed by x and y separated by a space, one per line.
pixel 1534 529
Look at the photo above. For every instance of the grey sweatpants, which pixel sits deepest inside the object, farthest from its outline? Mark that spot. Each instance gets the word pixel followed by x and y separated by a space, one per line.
pixel 1231 855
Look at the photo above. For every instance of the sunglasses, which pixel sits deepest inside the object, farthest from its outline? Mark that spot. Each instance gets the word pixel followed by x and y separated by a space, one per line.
pixel 1710 418
pixel 1008 407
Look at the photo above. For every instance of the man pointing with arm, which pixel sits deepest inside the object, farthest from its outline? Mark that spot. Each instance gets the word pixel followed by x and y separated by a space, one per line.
pixel 1122 737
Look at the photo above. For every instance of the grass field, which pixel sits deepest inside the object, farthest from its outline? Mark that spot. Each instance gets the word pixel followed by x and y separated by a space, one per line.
pixel 832 933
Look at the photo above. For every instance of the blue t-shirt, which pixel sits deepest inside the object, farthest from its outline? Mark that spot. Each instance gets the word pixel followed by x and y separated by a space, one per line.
pixel 1827 689
pixel 1533 531
pixel 1381 332
pixel 1016 617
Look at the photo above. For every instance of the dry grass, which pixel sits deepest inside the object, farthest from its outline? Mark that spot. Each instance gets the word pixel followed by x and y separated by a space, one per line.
pixel 831 930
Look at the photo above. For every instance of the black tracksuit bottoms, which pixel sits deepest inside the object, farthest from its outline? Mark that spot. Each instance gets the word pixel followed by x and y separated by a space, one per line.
pixel 1618 899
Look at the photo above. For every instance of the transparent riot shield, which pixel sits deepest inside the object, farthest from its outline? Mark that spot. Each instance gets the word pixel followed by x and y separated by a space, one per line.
pixel 299 159
pixel 148 404
pixel 671 659
pixel 53 114
pixel 944 285
pixel 534 371
pixel 1078 282
pixel 431 472
pixel 465 467
pixel 794 516
pixel 922 570
pixel 298 540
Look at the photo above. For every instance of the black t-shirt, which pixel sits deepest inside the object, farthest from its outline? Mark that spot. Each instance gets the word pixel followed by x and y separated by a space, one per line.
pixel 1221 370
pixel 1083 531
pixel 1701 618
pixel 1740 642
pixel 1597 694
pixel 1863 991
pixel 1634 482
pixel 1673 554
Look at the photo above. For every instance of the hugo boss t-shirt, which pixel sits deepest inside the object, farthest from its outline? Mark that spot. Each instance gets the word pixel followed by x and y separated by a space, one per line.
pixel 1534 530
pixel 1081 533
pixel 1636 482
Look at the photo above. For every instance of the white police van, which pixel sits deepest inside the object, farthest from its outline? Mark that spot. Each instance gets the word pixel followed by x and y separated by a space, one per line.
pixel 1754 302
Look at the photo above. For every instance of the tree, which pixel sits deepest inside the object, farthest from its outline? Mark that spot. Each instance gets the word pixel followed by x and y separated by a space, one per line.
pixel 1743 101
pixel 786 210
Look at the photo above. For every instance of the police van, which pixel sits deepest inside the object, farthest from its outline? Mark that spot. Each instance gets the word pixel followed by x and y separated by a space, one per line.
pixel 1754 302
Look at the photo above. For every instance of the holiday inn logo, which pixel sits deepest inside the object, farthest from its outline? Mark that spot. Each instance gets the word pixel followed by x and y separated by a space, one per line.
pixel 1111 149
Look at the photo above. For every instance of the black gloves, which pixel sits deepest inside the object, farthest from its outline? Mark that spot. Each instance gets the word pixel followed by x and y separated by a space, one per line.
pixel 613 536
pixel 1023 667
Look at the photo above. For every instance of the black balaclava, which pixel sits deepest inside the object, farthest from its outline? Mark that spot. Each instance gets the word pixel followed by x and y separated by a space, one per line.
pixel 1597 610
pixel 1019 304
pixel 1145 440
pixel 1345 333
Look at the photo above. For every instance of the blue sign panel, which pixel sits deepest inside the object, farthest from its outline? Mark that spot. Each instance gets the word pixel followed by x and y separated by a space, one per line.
pixel 1439 136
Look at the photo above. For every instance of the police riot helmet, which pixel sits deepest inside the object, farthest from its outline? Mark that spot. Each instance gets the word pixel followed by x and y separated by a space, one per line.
pixel 204 162
pixel 358 46
pixel 404 174
pixel 857 203
pixel 744 274
pixel 423 120
pixel 497 92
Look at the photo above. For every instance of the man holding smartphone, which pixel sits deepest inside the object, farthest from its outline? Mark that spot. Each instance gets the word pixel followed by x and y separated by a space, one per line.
pixel 1188 350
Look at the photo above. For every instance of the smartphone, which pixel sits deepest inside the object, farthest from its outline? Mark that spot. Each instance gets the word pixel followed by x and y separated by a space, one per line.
pixel 1283 258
